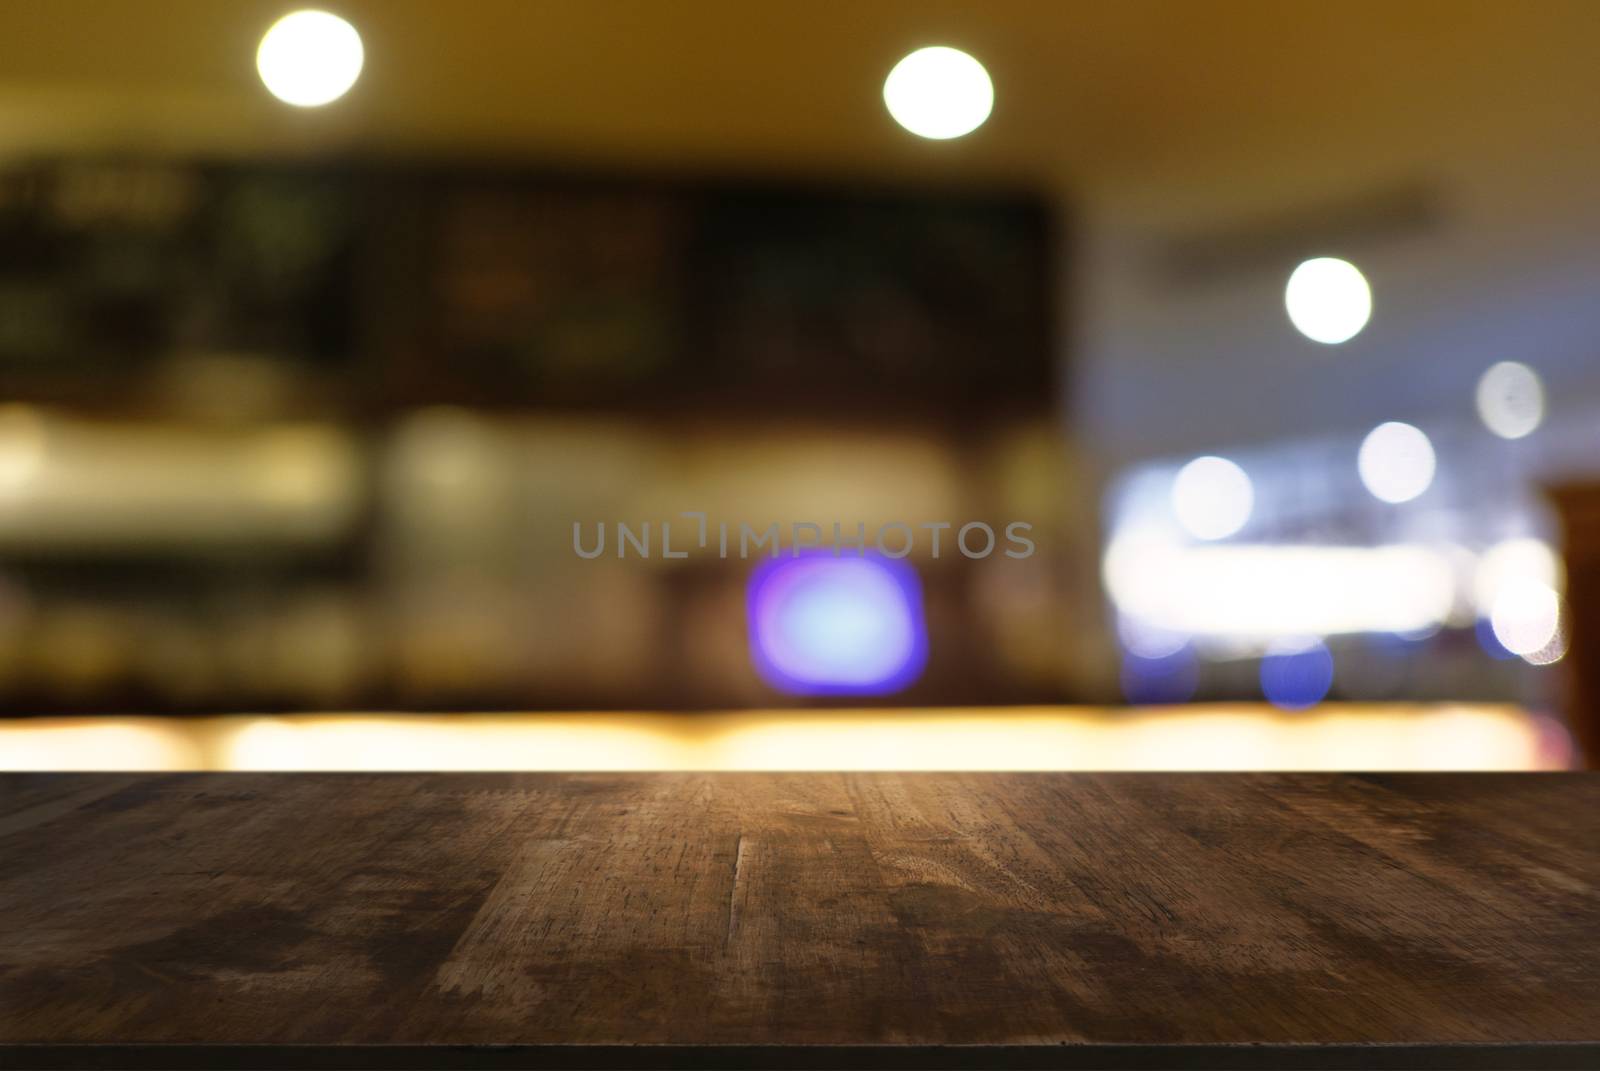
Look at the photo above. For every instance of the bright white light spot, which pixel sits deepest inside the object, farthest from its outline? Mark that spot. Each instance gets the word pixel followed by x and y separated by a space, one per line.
pixel 310 58
pixel 1511 399
pixel 1525 617
pixel 1512 562
pixel 1150 641
pixel 1328 300
pixel 1212 497
pixel 1264 591
pixel 939 93
pixel 1130 559
pixel 1396 462
pixel 1552 652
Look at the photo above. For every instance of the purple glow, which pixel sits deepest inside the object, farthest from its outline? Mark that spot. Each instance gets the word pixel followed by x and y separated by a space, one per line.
pixel 821 625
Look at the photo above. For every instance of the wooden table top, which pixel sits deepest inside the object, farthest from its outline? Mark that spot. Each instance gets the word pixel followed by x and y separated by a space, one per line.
pixel 821 920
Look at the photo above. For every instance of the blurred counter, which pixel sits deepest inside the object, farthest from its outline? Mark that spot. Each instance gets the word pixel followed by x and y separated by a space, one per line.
pixel 1202 737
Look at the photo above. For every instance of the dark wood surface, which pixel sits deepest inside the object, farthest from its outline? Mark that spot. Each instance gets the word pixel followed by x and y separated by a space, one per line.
pixel 1579 507
pixel 800 920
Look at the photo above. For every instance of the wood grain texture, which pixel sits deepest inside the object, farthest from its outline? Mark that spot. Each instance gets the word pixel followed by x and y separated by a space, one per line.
pixel 1029 920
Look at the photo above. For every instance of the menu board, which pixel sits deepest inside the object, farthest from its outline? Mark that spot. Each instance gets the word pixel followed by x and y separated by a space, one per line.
pixel 418 285
pixel 107 268
pixel 743 298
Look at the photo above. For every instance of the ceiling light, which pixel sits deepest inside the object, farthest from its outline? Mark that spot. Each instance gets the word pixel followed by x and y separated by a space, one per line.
pixel 309 58
pixel 1328 300
pixel 939 93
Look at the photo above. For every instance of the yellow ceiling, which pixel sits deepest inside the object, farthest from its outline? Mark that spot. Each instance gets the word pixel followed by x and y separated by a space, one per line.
pixel 1087 93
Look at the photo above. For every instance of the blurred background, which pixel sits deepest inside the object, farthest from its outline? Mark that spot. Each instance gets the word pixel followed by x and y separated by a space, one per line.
pixel 1279 324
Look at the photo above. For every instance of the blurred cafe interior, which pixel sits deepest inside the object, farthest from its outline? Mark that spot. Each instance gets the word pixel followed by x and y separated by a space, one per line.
pixel 332 340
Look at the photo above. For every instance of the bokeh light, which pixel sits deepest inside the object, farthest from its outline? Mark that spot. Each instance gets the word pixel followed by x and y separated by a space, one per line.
pixel 825 625
pixel 1483 629
pixel 939 93
pixel 310 58
pixel 1553 651
pixel 1296 674
pixel 1212 497
pixel 1172 678
pixel 1148 640
pixel 1396 462
pixel 1525 617
pixel 1511 399
pixel 1328 300
pixel 1263 591
pixel 1514 561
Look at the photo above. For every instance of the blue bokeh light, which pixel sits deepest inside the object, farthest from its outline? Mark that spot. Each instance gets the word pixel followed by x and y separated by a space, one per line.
pixel 1171 678
pixel 1297 676
pixel 1490 643
pixel 826 625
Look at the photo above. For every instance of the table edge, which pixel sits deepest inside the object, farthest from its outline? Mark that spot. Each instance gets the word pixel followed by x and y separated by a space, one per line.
pixel 1474 1056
